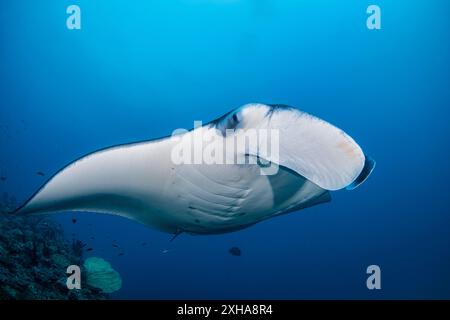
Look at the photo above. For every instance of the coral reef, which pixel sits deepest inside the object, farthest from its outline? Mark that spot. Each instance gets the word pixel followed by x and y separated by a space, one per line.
pixel 34 256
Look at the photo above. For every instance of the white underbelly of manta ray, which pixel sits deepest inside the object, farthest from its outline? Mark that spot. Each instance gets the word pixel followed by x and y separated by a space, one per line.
pixel 141 181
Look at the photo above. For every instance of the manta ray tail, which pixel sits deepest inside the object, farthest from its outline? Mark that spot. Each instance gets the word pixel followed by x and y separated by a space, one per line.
pixel 176 234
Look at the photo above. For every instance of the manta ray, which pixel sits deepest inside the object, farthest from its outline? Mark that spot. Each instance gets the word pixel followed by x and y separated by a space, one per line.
pixel 141 181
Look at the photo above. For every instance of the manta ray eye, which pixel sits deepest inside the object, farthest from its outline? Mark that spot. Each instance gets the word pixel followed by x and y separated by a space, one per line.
pixel 233 122
pixel 229 123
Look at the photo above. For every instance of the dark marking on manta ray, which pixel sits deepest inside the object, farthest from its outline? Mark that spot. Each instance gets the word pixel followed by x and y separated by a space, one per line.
pixel 235 251
pixel 40 173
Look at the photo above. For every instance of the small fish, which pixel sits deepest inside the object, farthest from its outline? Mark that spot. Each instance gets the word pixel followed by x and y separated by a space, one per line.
pixel 121 254
pixel 144 243
pixel 3 178
pixel 115 245
pixel 235 251
pixel 74 220
pixel 165 251
pixel 92 238
pixel 89 249
pixel 40 173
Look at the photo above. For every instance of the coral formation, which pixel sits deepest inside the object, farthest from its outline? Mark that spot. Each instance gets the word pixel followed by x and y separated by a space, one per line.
pixel 100 274
pixel 34 256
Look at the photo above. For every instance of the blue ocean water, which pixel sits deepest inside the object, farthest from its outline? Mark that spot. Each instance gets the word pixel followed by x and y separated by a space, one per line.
pixel 139 69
